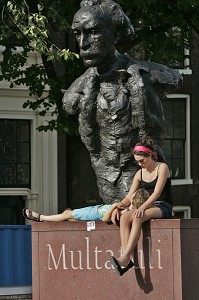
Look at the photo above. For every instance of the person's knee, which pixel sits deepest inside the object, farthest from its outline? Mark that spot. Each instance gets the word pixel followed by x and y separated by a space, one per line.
pixel 126 219
pixel 66 214
pixel 138 221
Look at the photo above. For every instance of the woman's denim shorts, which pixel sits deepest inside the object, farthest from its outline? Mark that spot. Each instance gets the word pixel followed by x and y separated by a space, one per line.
pixel 165 208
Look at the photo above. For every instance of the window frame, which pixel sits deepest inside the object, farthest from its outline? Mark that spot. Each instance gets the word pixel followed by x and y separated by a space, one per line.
pixel 187 70
pixel 187 150
pixel 185 209
pixel 20 185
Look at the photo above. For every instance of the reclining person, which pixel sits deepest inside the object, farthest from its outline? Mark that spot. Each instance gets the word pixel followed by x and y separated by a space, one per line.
pixel 89 213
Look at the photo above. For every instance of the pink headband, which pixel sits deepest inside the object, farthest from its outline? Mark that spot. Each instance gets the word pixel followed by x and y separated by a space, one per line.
pixel 145 149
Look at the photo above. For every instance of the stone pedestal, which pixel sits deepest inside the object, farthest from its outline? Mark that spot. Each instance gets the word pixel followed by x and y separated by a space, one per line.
pixel 71 261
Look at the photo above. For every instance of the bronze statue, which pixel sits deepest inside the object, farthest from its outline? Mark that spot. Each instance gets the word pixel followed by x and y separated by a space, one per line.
pixel 118 99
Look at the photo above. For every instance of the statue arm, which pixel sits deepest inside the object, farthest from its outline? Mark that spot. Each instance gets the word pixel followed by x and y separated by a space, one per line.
pixel 161 77
pixel 164 78
pixel 73 95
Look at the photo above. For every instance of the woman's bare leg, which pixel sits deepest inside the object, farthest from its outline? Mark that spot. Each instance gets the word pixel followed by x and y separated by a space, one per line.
pixel 125 228
pixel 130 240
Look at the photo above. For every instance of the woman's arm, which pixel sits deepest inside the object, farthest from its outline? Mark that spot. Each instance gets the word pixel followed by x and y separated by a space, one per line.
pixel 107 215
pixel 127 200
pixel 163 174
pixel 134 187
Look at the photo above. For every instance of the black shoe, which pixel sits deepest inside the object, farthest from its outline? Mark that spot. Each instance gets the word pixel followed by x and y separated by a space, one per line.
pixel 119 270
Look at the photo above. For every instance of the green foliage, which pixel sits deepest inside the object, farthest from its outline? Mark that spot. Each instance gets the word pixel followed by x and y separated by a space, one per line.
pixel 43 26
pixel 157 24
pixel 32 27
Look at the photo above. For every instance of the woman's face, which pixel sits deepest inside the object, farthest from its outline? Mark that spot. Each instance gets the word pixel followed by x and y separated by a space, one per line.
pixel 143 161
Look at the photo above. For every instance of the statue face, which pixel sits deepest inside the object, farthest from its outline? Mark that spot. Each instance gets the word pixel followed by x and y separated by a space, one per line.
pixel 94 36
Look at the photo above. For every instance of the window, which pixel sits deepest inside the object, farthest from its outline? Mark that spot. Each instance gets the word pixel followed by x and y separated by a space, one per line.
pixel 15 161
pixel 175 136
pixel 177 142
pixel 182 212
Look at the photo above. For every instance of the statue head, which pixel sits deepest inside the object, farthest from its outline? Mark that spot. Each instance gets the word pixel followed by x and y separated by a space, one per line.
pixel 99 26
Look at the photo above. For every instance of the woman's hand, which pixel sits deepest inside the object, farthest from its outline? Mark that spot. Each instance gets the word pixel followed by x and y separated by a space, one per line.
pixel 139 213
pixel 120 205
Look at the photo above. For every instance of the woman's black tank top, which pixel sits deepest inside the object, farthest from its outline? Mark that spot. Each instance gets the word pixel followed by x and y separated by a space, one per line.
pixel 166 192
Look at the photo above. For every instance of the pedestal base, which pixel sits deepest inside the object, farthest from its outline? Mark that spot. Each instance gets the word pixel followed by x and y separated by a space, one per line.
pixel 71 261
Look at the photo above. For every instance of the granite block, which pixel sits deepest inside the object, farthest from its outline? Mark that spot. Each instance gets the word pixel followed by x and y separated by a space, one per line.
pixel 71 261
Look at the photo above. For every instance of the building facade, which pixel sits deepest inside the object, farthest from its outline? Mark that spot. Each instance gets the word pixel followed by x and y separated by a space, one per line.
pixel 28 158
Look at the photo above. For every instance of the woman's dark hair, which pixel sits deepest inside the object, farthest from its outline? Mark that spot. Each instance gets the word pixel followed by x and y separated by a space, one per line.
pixel 145 142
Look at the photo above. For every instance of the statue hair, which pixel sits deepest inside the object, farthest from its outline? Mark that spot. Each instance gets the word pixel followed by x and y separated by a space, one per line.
pixel 119 20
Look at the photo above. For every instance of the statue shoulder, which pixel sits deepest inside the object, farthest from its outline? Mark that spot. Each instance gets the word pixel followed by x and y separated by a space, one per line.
pixel 157 74
pixel 73 94
pixel 79 83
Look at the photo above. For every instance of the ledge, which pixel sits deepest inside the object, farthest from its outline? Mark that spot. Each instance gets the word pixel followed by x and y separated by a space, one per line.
pixel 99 225
pixel 75 258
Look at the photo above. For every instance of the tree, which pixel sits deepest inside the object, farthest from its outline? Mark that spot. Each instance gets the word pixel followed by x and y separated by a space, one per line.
pixel 162 29
pixel 44 27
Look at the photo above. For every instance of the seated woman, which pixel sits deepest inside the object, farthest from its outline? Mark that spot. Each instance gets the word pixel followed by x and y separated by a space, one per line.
pixel 154 176
pixel 90 213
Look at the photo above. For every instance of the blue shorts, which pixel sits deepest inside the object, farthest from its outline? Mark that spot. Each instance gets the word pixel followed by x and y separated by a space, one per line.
pixel 165 208
pixel 89 213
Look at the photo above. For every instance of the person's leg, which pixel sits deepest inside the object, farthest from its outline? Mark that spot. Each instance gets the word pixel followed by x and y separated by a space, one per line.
pixel 125 228
pixel 66 215
pixel 131 237
pixel 88 213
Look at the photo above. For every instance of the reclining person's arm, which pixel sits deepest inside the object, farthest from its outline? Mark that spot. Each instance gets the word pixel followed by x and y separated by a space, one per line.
pixel 107 215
